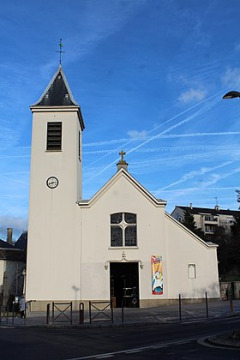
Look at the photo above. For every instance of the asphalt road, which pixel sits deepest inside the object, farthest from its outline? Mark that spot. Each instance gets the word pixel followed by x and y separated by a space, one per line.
pixel 173 341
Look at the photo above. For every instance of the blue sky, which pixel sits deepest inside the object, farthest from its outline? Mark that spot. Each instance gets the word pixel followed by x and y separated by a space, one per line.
pixel 149 76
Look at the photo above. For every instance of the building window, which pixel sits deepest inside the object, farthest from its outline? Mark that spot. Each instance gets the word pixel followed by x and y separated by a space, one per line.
pixel 208 218
pixel 210 228
pixel 192 271
pixel 123 229
pixel 54 136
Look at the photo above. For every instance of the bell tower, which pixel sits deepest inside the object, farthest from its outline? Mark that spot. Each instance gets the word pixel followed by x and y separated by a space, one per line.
pixel 55 188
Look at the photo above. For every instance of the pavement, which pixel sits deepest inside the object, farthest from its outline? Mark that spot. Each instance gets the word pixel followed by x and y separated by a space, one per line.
pixel 101 315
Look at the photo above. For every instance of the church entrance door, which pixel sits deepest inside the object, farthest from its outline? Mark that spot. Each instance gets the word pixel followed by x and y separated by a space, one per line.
pixel 124 283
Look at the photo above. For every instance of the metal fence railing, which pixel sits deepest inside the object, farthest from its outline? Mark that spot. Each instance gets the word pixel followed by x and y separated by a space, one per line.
pixel 62 312
pixel 100 311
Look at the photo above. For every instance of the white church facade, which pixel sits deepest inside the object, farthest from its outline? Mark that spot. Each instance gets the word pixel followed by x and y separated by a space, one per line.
pixel 121 244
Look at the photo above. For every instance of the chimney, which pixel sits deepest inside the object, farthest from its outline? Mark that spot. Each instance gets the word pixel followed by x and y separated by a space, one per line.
pixel 9 235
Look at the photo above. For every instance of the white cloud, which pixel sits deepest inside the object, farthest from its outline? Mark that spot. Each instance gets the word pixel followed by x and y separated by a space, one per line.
pixel 192 95
pixel 137 135
pixel 237 47
pixel 18 224
pixel 231 77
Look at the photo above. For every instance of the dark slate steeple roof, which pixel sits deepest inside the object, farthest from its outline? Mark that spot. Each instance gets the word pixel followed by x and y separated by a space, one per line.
pixel 58 93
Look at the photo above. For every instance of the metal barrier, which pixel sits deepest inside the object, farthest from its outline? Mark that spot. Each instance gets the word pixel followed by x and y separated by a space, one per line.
pixel 61 312
pixel 7 313
pixel 184 307
pixel 104 311
pixel 4 314
pixel 15 310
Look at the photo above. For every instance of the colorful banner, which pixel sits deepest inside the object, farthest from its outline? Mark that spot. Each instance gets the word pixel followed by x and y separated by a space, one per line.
pixel 157 275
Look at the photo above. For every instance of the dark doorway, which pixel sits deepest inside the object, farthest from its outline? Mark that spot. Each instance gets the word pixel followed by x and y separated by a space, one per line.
pixel 124 284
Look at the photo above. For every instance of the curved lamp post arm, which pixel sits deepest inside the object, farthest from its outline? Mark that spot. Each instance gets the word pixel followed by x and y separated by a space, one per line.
pixel 231 95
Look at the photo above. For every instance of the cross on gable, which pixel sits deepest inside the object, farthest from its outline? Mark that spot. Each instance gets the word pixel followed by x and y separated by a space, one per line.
pixel 122 163
pixel 122 153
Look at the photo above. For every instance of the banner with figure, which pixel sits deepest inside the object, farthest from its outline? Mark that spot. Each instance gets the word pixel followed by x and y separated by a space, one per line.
pixel 157 275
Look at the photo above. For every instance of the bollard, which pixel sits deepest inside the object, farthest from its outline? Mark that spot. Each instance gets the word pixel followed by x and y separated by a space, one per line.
pixel 206 299
pixel 122 311
pixel 230 297
pixel 180 307
pixel 48 313
pixel 13 311
pixel 81 313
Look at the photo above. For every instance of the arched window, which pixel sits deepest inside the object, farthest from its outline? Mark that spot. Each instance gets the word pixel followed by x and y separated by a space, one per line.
pixel 123 229
pixel 192 271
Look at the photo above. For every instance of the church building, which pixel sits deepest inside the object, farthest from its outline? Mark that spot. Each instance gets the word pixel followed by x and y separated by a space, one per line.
pixel 121 244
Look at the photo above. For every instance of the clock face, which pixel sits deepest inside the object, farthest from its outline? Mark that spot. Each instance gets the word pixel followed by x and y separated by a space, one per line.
pixel 52 182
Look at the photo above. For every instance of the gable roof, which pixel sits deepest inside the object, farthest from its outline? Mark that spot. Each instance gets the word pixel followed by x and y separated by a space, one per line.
pixel 132 180
pixel 21 243
pixel 9 252
pixel 5 245
pixel 198 210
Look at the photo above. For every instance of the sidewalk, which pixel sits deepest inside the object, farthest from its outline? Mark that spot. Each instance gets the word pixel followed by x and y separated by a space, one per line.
pixel 127 316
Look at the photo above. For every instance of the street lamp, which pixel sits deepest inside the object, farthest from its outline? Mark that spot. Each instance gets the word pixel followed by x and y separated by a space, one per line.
pixel 232 95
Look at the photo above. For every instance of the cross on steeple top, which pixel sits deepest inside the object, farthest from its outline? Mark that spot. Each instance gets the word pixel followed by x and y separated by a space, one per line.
pixel 60 51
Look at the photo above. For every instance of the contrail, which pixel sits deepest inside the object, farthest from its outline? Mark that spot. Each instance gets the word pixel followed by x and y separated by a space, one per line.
pixel 14 180
pixel 200 134
pixel 169 136
pixel 156 192
pixel 192 174
pixel 189 118
pixel 149 132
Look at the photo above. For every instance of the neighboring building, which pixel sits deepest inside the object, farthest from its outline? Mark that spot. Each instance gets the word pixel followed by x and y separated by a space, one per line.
pixel 208 219
pixel 121 244
pixel 12 265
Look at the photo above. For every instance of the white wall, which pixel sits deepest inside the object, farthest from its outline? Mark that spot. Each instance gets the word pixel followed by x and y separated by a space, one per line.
pixel 52 264
pixel 185 248
pixel 70 265
pixel 158 234
pixel 122 196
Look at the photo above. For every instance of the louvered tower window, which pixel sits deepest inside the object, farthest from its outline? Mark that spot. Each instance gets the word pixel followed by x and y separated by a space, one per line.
pixel 54 136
